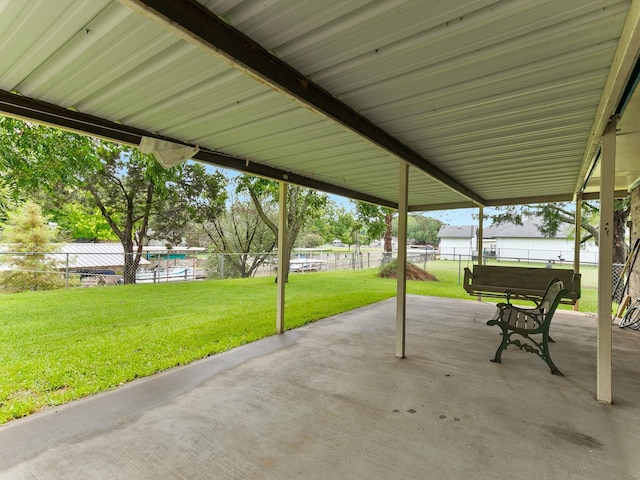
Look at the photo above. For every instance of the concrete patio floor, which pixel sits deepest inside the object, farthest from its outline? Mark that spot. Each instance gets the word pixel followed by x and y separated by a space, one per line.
pixel 330 401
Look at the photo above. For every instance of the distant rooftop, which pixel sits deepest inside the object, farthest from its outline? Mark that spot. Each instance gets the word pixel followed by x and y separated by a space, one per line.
pixel 529 229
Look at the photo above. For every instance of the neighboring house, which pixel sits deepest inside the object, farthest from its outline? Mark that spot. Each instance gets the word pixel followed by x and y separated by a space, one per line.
pixel 457 241
pixel 513 242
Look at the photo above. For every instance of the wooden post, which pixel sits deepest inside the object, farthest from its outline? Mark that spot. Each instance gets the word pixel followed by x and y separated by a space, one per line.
pixel 401 296
pixel 282 240
pixel 605 262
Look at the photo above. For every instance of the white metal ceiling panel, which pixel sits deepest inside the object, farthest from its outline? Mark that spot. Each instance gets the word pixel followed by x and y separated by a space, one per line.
pixel 499 95
pixel 516 84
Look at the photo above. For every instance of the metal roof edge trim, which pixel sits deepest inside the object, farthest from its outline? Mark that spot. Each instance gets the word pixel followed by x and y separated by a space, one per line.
pixel 622 65
pixel 201 27
pixel 30 109
pixel 508 201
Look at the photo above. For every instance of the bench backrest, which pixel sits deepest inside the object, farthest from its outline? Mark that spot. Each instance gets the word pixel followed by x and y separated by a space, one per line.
pixel 551 297
pixel 527 280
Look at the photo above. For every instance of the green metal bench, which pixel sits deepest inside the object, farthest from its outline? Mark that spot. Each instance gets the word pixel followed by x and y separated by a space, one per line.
pixel 530 324
pixel 525 283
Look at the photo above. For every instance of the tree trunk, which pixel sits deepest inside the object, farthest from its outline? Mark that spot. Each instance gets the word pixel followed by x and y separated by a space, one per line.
pixel 388 237
pixel 620 250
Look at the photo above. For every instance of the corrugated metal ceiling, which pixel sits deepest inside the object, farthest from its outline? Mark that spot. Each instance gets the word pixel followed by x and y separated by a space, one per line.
pixel 499 95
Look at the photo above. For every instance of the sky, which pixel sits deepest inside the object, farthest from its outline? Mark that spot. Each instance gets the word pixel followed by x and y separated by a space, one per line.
pixel 461 216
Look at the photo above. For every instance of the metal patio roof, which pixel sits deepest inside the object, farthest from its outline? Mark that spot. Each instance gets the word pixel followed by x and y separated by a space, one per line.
pixel 490 102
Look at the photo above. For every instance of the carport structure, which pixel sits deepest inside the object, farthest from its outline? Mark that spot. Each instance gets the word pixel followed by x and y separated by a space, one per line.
pixel 413 105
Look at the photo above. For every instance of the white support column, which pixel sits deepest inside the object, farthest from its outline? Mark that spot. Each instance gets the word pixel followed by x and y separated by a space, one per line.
pixel 605 262
pixel 479 242
pixel 480 233
pixel 577 245
pixel 282 240
pixel 401 297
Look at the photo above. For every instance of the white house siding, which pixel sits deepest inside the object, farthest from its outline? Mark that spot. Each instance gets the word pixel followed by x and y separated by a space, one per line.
pixel 542 249
pixel 535 248
pixel 453 248
pixel 513 242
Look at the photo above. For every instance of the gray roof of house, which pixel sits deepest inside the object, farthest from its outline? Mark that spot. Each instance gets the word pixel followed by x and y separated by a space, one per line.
pixel 529 229
pixel 457 231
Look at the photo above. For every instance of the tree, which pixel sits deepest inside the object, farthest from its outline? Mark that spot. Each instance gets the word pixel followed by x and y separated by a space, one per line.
pixel 345 226
pixel 310 240
pixel 127 187
pixel 82 221
pixel 302 205
pixel 7 200
pixel 242 237
pixel 554 215
pixel 195 196
pixel 29 239
pixel 321 228
pixel 377 222
pixel 421 229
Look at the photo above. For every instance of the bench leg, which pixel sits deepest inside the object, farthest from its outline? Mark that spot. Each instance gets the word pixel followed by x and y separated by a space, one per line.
pixel 503 344
pixel 546 355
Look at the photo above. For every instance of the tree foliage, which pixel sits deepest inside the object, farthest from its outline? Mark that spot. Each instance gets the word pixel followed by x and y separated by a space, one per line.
pixel 82 221
pixel 328 223
pixel 242 237
pixel 193 196
pixel 376 222
pixel 29 239
pixel 302 205
pixel 127 187
pixel 421 229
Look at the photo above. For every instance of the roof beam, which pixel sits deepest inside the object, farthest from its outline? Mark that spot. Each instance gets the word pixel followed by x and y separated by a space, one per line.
pixel 514 201
pixel 441 206
pixel 200 26
pixel 596 195
pixel 26 108
pixel 531 200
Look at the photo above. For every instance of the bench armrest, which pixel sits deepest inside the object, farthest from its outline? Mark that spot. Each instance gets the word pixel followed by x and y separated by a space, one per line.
pixel 468 277
pixel 511 293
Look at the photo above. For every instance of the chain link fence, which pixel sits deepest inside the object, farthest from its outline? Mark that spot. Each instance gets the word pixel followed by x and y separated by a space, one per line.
pixel 20 271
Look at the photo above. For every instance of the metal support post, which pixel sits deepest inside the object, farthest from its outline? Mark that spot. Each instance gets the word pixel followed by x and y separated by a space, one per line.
pixel 479 243
pixel 401 297
pixel 282 240
pixel 605 262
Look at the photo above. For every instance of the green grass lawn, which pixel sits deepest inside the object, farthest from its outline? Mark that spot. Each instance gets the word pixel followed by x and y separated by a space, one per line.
pixel 65 344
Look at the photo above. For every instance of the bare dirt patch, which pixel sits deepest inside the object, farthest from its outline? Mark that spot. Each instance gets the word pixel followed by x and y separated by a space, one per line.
pixel 390 270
